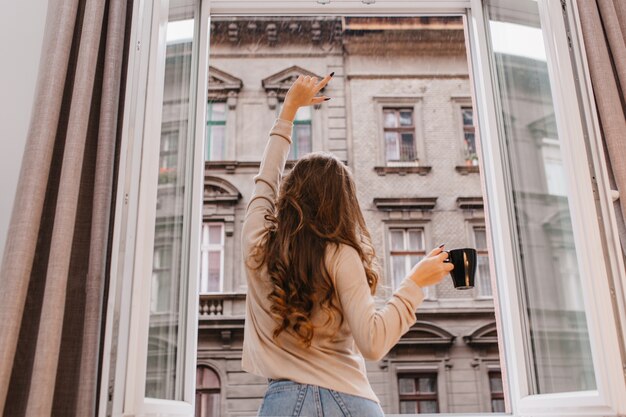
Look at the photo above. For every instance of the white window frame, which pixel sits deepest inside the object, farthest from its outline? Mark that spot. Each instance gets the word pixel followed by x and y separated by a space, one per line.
pixel 126 331
pixel 397 101
pixel 213 247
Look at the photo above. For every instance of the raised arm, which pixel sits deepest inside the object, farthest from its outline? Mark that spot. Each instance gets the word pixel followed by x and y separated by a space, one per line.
pixel 376 331
pixel 267 181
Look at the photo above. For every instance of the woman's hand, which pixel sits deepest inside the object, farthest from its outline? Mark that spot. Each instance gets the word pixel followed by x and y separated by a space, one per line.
pixel 303 93
pixel 431 269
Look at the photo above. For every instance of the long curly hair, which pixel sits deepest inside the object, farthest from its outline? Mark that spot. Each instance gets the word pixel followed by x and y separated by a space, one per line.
pixel 316 206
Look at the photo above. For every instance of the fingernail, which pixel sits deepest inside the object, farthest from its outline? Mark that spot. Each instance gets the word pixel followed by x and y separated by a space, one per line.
pixel 327 98
pixel 442 245
pixel 332 73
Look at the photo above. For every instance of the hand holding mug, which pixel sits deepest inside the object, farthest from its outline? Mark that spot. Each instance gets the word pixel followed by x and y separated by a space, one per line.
pixel 431 270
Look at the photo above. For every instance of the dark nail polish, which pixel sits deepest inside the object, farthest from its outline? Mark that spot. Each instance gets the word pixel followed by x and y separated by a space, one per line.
pixel 327 98
pixel 332 73
pixel 442 245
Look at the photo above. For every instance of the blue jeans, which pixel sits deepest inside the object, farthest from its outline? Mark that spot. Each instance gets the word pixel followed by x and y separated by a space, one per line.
pixel 289 398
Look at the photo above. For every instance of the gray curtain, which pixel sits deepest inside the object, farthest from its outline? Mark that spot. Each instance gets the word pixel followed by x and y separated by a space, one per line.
pixel 54 267
pixel 604 32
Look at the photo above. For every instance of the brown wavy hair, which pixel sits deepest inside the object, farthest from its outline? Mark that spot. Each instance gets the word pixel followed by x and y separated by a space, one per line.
pixel 316 206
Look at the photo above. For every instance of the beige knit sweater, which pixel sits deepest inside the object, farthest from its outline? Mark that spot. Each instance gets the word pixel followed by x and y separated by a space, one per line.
pixel 335 359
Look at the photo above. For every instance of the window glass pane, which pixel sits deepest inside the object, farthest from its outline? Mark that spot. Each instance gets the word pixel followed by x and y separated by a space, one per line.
pixel 217 111
pixel 428 407
pixel 408 407
pixel 397 239
pixel 483 280
pixel 215 267
pixel 398 264
pixel 217 134
pixel 215 234
pixel 406 385
pixel 480 238
pixel 470 143
pixel 557 323
pixel 427 384
pixel 392 145
pixel 391 119
pixel 468 116
pixel 407 150
pixel 416 241
pixel 303 136
pixel 406 117
pixel 164 371
pixel 497 406
pixel 169 141
pixel 495 382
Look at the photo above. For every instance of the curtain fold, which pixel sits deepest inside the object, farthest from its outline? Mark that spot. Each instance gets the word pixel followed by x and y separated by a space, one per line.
pixel 53 272
pixel 604 33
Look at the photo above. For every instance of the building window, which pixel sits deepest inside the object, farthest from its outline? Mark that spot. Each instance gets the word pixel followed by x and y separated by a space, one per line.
pixel 212 267
pixel 418 393
pixel 207 392
pixel 168 157
pixel 215 131
pixel 406 249
pixel 497 391
pixel 162 270
pixel 469 135
pixel 483 278
pixel 301 139
pixel 399 134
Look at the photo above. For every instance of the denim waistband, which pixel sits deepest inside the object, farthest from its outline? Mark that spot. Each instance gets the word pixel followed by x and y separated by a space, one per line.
pixel 269 380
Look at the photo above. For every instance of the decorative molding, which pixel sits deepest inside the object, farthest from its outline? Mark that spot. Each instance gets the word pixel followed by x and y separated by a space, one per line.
pixel 232 166
pixel 277 85
pixel 218 190
pixel 220 199
pixel 484 335
pixel 223 87
pixel 275 30
pixel 427 333
pixel 470 203
pixel 408 203
pixel 402 170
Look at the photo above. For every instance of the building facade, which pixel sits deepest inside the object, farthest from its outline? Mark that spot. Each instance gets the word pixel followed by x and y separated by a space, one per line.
pixel 401 117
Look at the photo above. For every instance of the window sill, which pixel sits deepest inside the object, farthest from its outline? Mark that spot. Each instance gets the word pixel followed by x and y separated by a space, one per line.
pixel 467 169
pixel 232 166
pixel 402 170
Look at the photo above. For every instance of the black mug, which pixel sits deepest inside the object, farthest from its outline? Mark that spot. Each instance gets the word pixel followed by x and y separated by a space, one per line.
pixel 464 261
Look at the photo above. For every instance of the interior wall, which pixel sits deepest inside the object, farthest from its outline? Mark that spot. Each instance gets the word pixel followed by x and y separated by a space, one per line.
pixel 21 31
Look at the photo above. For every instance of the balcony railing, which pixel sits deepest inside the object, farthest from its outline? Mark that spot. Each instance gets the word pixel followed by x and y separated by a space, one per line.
pixel 218 305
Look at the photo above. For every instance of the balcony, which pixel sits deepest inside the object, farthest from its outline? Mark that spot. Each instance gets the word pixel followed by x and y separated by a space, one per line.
pixel 222 306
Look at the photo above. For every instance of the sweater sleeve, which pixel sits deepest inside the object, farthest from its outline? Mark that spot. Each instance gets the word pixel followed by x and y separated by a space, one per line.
pixel 266 183
pixel 375 331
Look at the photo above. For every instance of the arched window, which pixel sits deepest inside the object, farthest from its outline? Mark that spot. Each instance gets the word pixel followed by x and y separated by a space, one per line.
pixel 207 392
